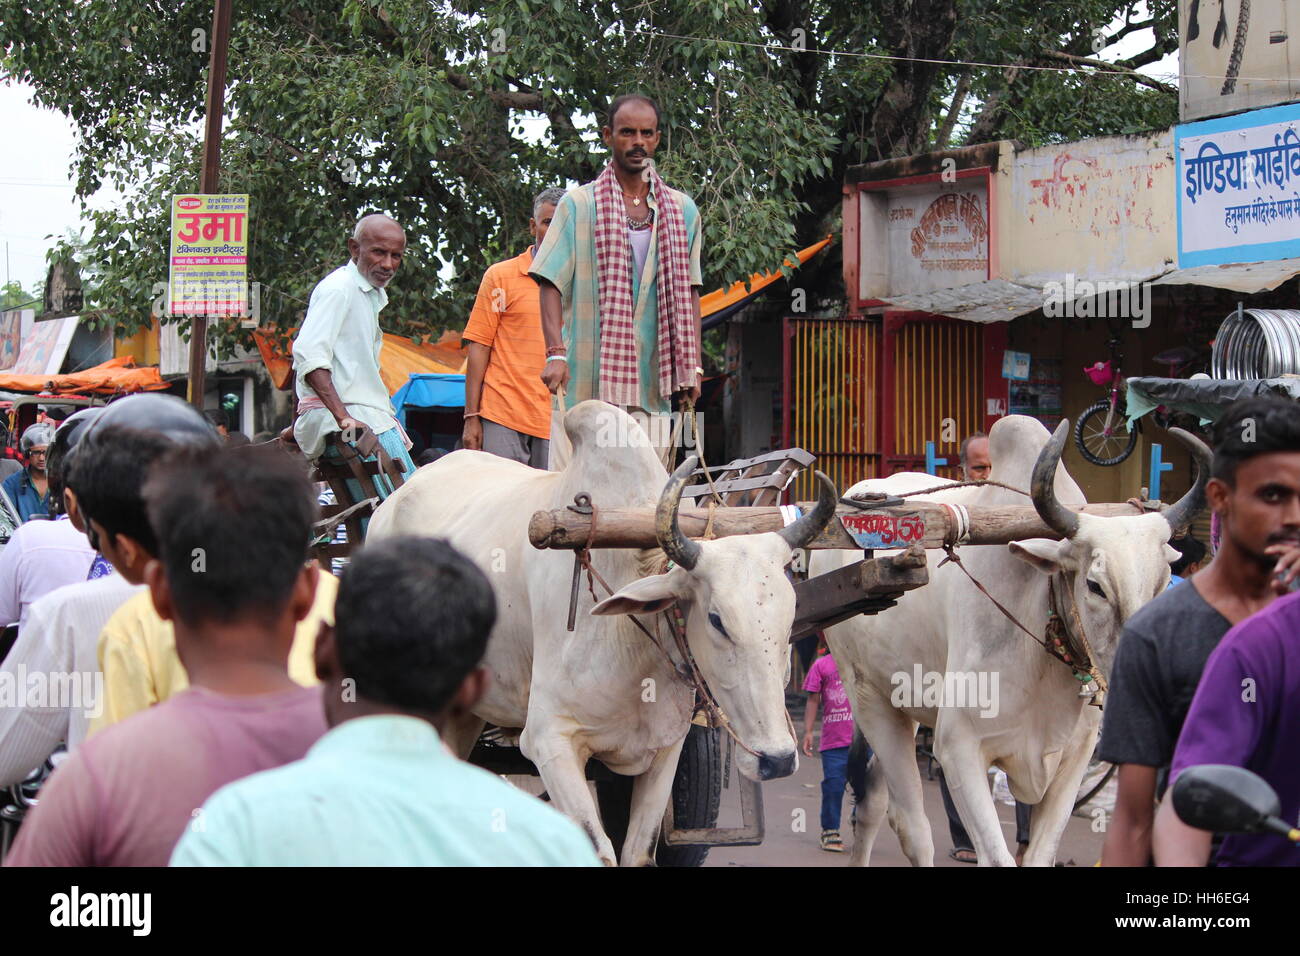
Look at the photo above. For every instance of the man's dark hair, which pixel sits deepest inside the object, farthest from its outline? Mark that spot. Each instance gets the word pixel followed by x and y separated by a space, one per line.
pixel 620 101
pixel 218 418
pixel 232 530
pixel 1192 551
pixel 1252 427
pixel 107 473
pixel 965 444
pixel 412 619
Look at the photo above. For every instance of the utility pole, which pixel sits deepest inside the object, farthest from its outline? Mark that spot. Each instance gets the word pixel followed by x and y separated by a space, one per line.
pixel 216 105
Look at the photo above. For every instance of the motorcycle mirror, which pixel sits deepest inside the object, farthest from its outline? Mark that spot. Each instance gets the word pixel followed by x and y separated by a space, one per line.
pixel 1227 799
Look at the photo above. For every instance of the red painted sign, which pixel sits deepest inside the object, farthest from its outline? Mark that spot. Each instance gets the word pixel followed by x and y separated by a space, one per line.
pixel 881 529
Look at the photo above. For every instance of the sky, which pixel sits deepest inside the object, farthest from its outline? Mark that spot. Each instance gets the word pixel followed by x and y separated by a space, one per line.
pixel 36 188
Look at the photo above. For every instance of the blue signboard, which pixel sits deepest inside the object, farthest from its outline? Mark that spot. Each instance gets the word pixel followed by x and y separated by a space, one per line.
pixel 1238 181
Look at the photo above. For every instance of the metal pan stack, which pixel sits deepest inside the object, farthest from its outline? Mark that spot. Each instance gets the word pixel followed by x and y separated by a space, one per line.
pixel 1257 343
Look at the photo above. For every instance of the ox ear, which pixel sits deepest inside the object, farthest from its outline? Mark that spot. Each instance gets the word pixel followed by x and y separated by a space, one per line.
pixel 1171 554
pixel 1042 553
pixel 643 596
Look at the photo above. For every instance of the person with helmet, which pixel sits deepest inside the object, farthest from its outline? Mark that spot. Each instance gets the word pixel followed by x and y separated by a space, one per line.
pixel 137 648
pixel 42 555
pixel 27 490
pixel 59 636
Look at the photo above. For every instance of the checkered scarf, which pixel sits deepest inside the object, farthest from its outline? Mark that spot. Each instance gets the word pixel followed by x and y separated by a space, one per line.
pixel 678 349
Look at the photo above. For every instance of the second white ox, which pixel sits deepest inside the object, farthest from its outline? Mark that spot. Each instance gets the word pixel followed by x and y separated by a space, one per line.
pixel 1039 730
pixel 605 690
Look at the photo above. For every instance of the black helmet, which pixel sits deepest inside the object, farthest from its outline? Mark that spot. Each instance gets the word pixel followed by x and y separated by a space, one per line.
pixel 66 436
pixel 162 414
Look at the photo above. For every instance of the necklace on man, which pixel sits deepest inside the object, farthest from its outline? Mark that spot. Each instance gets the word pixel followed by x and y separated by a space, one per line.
pixel 636 200
pixel 639 224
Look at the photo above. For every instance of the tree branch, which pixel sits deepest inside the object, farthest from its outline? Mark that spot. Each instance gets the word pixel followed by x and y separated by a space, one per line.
pixel 954 111
pixel 1102 65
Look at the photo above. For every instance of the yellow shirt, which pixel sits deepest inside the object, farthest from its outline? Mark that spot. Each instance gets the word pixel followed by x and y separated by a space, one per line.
pixel 137 653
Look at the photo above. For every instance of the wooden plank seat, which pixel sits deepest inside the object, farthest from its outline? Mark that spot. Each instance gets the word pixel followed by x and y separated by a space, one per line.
pixel 349 461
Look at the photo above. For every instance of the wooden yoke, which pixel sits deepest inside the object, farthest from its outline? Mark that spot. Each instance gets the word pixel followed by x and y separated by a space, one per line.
pixel 926 523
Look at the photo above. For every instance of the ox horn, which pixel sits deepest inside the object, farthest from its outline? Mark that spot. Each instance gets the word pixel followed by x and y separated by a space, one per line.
pixel 1181 512
pixel 1042 486
pixel 681 550
pixel 801 533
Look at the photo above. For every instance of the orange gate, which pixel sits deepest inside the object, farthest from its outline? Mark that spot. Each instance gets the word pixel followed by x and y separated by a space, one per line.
pixel 831 397
pixel 865 393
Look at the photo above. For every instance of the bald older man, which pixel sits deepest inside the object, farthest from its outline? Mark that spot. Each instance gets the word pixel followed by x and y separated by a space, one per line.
pixel 336 353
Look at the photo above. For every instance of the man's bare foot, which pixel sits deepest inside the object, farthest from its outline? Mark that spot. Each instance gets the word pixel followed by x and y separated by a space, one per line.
pixel 1020 853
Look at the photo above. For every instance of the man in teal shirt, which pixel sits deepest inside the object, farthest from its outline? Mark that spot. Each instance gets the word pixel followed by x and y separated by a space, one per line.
pixel 412 620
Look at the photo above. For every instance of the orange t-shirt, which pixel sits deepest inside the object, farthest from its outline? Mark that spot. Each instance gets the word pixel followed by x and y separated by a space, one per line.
pixel 507 318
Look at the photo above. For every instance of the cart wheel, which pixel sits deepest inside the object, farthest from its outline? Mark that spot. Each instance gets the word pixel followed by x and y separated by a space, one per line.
pixel 697 793
pixel 1100 444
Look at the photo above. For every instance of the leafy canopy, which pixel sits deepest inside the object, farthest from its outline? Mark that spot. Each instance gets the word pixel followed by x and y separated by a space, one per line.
pixel 450 116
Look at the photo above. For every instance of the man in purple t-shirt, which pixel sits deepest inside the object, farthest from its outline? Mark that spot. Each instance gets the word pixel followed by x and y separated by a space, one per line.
pixel 232 529
pixel 1246 712
pixel 824 685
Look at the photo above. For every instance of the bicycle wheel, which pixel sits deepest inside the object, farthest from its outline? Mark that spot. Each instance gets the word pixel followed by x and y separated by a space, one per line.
pixel 1104 437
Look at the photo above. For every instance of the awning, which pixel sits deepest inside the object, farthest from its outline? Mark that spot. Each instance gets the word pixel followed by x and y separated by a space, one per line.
pixel 116 376
pixel 1244 277
pixel 717 307
pixel 994 300
pixel 399 359
pixel 424 390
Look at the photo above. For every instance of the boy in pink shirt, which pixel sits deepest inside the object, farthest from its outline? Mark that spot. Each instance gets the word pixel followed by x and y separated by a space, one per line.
pixel 824 686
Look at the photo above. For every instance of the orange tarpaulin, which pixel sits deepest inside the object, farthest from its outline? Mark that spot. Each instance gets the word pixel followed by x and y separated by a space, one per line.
pixel 112 377
pixel 716 301
pixel 399 358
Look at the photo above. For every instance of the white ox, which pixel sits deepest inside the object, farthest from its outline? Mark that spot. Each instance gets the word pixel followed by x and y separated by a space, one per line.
pixel 1043 732
pixel 605 690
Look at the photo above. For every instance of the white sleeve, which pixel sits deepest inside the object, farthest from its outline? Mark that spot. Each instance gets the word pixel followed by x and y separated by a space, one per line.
pixel 29 734
pixel 314 346
pixel 11 562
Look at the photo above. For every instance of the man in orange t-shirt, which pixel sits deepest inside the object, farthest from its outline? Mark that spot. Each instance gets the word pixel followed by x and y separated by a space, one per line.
pixel 507 406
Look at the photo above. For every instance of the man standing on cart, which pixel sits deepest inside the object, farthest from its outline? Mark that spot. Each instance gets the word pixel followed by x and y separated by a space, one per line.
pixel 620 279
pixel 336 353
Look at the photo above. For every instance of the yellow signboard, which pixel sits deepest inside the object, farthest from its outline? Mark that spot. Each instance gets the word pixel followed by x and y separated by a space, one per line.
pixel 209 255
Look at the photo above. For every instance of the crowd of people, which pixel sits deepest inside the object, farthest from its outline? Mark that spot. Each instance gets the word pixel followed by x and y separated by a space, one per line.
pixel 214 650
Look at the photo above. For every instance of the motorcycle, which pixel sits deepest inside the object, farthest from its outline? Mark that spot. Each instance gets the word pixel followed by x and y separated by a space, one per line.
pixel 1227 799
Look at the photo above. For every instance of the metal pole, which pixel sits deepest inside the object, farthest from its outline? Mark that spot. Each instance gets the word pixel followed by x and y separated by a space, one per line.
pixel 211 174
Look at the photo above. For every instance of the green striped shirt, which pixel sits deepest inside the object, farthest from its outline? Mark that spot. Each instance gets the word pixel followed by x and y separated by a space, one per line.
pixel 567 260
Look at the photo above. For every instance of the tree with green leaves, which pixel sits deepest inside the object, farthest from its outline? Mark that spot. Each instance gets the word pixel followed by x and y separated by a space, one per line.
pixel 13 296
pixel 449 116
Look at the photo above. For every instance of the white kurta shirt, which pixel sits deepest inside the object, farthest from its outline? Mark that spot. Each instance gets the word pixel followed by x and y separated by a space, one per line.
pixel 341 333
pixel 60 641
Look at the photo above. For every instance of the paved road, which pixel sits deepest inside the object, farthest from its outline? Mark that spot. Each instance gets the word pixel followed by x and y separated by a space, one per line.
pixel 783 845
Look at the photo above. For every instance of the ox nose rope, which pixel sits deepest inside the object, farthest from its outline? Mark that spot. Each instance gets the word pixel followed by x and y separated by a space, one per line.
pixel 717 716
pixel 1068 644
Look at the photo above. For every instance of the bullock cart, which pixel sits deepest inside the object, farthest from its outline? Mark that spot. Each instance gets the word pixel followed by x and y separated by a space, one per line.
pixel 868 586
pixel 738 499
